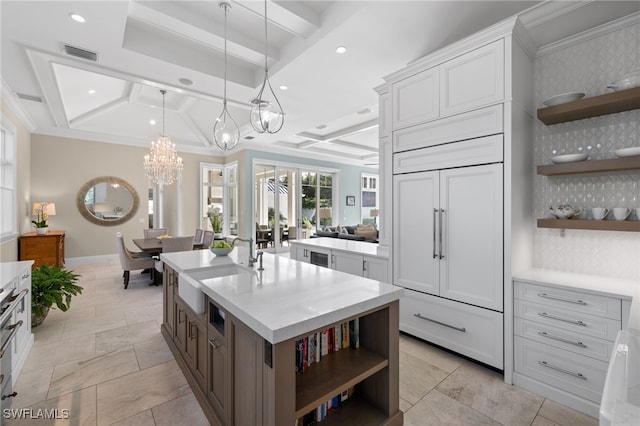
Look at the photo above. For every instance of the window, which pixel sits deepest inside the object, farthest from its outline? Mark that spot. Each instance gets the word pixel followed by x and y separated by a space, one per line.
pixel 8 222
pixel 219 191
pixel 369 199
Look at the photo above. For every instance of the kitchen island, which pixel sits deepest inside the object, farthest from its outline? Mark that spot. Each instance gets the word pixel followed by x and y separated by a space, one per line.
pixel 238 332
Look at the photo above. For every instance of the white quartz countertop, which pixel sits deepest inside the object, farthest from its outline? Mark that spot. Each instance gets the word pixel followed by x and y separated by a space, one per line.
pixel 606 286
pixel 358 247
pixel 287 299
pixel 9 270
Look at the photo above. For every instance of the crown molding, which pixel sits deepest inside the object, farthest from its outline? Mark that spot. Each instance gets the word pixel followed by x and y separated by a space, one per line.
pixel 13 103
pixel 590 34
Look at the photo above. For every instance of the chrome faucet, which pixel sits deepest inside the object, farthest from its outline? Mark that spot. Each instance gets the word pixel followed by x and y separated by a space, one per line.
pixel 252 259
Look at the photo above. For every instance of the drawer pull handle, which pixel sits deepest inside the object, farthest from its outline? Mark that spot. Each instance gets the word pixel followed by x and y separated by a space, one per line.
pixel 214 343
pixel 562 370
pixel 578 322
pixel 561 339
pixel 563 299
pixel 462 329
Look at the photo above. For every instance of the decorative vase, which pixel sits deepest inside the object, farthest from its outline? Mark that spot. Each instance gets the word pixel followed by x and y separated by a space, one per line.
pixel 36 320
pixel 42 231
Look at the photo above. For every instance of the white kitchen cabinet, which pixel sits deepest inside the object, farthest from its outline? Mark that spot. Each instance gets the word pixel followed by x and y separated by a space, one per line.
pixel 24 337
pixel 455 219
pixel 351 257
pixel 415 99
pixel 472 80
pixel 375 268
pixel 350 263
pixel 384 114
pixel 563 341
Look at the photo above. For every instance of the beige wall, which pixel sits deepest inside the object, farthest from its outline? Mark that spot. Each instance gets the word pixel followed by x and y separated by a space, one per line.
pixel 60 166
pixel 9 249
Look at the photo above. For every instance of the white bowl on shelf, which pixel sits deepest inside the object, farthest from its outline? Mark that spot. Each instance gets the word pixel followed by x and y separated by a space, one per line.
pixel 562 98
pixel 627 152
pixel 569 158
pixel 626 82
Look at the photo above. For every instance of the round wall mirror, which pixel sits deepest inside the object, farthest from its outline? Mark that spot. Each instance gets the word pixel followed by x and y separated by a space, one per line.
pixel 107 201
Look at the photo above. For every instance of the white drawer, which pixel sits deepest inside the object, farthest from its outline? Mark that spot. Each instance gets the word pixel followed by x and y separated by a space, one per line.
pixel 474 124
pixel 564 339
pixel 579 375
pixel 471 331
pixel 603 328
pixel 592 304
pixel 466 153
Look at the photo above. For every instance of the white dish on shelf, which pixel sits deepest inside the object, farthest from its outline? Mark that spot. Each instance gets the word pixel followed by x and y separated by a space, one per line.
pixel 627 152
pixel 569 158
pixel 626 82
pixel 563 99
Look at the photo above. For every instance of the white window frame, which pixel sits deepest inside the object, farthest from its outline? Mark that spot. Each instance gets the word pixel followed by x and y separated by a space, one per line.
pixel 226 185
pixel 365 186
pixel 8 159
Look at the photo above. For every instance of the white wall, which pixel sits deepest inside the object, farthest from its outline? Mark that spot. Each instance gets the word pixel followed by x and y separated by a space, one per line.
pixel 588 67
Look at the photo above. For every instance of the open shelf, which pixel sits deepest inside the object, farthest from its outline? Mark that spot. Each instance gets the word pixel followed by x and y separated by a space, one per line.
pixel 610 103
pixel 356 412
pixel 611 165
pixel 333 374
pixel 599 225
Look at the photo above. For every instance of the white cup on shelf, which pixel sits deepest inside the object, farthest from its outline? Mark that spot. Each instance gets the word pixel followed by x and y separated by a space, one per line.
pixel 621 213
pixel 599 213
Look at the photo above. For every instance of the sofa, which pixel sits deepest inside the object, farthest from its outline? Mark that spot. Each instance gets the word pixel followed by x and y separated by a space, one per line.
pixel 355 233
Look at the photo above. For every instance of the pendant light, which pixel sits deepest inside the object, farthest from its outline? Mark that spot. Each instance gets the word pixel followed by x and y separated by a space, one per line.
pixel 226 133
pixel 162 165
pixel 266 113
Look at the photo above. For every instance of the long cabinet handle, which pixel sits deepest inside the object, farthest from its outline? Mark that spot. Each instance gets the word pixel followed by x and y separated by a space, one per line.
pixel 192 335
pixel 214 343
pixel 462 329
pixel 561 339
pixel 562 370
pixel 14 329
pixel 576 322
pixel 435 211
pixel 441 213
pixel 562 299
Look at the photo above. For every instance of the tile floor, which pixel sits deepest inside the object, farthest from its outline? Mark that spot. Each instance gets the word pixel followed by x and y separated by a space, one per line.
pixel 106 362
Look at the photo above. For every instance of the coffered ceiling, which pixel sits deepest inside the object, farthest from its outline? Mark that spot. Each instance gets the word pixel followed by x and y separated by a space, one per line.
pixel 141 47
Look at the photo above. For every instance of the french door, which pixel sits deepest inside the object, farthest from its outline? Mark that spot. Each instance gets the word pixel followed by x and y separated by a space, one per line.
pixel 291 203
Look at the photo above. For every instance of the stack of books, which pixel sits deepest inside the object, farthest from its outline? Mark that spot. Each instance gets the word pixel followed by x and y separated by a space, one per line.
pixel 312 348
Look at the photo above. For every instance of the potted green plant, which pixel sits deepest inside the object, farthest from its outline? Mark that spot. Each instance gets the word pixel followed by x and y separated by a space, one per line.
pixel 216 219
pixel 51 285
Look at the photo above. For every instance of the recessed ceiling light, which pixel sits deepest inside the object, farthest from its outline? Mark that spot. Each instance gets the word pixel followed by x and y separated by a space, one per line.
pixel 283 87
pixel 76 17
pixel 152 122
pixel 341 49
pixel 186 81
pixel 92 91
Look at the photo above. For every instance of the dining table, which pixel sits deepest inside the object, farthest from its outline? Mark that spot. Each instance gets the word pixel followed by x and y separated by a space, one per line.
pixel 153 245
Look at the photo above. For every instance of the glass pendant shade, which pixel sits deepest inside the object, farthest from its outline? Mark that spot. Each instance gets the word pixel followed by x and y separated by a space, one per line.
pixel 266 112
pixel 163 165
pixel 226 133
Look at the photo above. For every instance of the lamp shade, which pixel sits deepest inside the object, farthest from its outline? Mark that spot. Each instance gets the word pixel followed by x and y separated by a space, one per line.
pixel 373 213
pixel 43 207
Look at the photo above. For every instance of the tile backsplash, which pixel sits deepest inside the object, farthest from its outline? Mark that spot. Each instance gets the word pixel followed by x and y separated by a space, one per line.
pixel 588 67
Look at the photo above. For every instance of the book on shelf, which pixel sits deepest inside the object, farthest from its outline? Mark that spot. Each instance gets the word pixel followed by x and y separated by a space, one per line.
pixel 354 332
pixel 312 348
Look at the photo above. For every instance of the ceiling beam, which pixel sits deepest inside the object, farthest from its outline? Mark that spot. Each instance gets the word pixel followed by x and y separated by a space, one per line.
pixel 98 111
pixel 293 17
pixel 361 127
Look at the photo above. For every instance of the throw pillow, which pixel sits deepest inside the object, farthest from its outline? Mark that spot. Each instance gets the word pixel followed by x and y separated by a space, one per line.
pixel 343 230
pixel 369 235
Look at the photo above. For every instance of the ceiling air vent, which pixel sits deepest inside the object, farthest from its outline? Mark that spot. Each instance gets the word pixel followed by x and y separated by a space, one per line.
pixel 29 97
pixel 80 53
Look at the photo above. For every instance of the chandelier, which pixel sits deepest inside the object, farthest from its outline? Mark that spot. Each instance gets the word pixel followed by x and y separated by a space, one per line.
pixel 162 165
pixel 266 113
pixel 226 133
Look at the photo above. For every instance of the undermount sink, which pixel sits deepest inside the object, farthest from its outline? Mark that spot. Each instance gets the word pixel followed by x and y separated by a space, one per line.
pixel 190 288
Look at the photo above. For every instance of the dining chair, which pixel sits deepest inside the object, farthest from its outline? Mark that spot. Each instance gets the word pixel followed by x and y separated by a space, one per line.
pixel 197 237
pixel 170 245
pixel 129 262
pixel 291 234
pixel 155 232
pixel 207 239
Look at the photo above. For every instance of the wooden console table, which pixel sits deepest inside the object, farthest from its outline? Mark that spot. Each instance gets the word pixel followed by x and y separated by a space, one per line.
pixel 43 249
